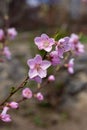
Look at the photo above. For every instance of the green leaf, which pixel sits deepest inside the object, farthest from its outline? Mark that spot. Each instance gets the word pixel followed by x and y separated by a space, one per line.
pixel 12 89
pixel 59 35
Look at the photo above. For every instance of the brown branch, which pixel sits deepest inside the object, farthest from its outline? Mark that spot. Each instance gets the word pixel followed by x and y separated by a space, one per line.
pixel 16 90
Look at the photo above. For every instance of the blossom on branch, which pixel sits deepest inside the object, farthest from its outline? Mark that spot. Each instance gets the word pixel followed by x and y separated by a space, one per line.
pixel 27 93
pixel 38 67
pixel 39 96
pixel 63 45
pixel 44 42
pixel 54 58
pixel 13 105
pixel 51 78
pixel 76 46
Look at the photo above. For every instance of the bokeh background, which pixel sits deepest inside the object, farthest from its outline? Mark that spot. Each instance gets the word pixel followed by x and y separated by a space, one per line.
pixel 65 104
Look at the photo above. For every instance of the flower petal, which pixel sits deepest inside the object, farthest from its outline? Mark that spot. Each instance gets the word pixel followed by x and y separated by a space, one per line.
pixel 44 36
pixel 42 73
pixel 45 64
pixel 31 63
pixel 48 49
pixel 70 70
pixel 39 42
pixel 38 59
pixel 32 73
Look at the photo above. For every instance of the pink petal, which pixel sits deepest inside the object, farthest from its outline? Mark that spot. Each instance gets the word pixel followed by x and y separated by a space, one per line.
pixel 42 73
pixel 32 73
pixel 45 64
pixel 52 41
pixel 27 93
pixel 38 59
pixel 14 105
pixel 60 52
pixel 39 96
pixel 39 42
pixel 5 109
pixel 71 61
pixel 48 49
pixel 37 79
pixel 6 118
pixel 44 36
pixel 31 63
pixel 70 70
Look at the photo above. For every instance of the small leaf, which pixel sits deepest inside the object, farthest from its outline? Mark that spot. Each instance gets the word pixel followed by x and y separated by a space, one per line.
pixel 12 89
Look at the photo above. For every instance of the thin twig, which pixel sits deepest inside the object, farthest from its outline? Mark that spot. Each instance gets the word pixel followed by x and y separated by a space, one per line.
pixel 16 90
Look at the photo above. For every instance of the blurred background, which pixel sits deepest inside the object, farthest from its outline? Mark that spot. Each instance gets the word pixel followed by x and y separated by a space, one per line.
pixel 65 104
pixel 34 14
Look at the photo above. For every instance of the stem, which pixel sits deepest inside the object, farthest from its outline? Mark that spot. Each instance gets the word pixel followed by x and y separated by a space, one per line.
pixel 16 90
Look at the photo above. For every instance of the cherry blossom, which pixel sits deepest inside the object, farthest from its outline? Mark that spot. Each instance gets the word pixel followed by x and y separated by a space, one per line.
pixel 27 93
pixel 54 58
pixel 44 42
pixel 63 45
pixel 51 78
pixel 76 45
pixel 39 96
pixel 13 105
pixel 38 67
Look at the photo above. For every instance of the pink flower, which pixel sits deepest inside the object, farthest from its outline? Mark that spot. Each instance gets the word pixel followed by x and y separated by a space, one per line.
pixel 39 96
pixel 1 34
pixel 7 53
pixel 54 58
pixel 38 67
pixel 13 105
pixel 51 78
pixel 27 93
pixel 12 33
pixel 76 45
pixel 44 42
pixel 63 45
pixel 71 66
pixel 4 116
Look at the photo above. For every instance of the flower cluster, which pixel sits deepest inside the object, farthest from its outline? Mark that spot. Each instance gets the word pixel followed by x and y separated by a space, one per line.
pixel 38 67
pixel 56 55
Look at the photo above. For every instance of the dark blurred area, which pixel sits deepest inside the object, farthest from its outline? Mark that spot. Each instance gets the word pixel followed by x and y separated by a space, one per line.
pixel 33 14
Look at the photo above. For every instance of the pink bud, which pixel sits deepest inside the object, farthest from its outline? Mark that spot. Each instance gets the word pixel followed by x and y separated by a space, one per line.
pixel 27 93
pixel 13 105
pixel 5 118
pixel 40 96
pixel 51 78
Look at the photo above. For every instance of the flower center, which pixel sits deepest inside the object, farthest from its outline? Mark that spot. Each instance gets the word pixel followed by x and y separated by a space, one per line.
pixel 46 44
pixel 37 66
